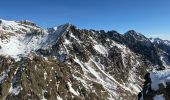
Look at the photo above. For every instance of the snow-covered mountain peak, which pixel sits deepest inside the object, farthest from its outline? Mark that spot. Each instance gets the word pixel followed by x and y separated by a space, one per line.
pixel 81 63
pixel 17 27
pixel 160 41
pixel 20 38
pixel 136 36
pixel 132 33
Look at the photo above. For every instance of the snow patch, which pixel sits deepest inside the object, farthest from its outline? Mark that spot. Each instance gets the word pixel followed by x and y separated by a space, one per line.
pixel 111 78
pixel 159 97
pixel 14 90
pixel 43 98
pixel 101 49
pixel 165 61
pixel 12 27
pixel 12 48
pixel 45 75
pixel 3 77
pixel 21 43
pixel 59 98
pixel 159 77
pixel 71 89
pixel 66 41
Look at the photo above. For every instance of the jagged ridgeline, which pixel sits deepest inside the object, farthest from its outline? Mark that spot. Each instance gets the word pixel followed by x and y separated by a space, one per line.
pixel 68 63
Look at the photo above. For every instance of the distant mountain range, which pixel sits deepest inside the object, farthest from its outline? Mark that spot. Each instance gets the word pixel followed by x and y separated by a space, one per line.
pixel 68 63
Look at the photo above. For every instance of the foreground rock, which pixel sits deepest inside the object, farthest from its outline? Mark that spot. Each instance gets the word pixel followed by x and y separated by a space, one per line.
pixel 157 86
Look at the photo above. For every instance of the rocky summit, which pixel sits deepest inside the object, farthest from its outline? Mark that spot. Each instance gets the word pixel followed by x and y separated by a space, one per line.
pixel 68 63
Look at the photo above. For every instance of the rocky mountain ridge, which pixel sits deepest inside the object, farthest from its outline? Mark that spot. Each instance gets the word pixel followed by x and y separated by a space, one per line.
pixel 70 63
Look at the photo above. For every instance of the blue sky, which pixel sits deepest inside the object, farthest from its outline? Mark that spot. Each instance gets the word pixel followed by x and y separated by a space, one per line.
pixel 150 17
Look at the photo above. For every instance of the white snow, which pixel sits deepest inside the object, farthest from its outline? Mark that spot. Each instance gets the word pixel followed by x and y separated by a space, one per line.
pixel 67 41
pixel 13 48
pixel 81 65
pixel 71 89
pixel 52 38
pixel 101 49
pixel 159 77
pixel 82 81
pixel 110 77
pixel 15 90
pixel 43 98
pixel 107 81
pixel 12 26
pixel 35 67
pixel 136 88
pixel 133 83
pixel 165 61
pixel 159 97
pixel 3 77
pixel 167 42
pixel 45 75
pixel 71 35
pixel 152 40
pixel 92 70
pixel 18 45
pixel 157 40
pixel 55 28
pixel 59 98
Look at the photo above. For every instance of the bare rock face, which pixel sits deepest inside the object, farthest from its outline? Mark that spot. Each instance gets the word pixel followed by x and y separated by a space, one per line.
pixel 66 62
